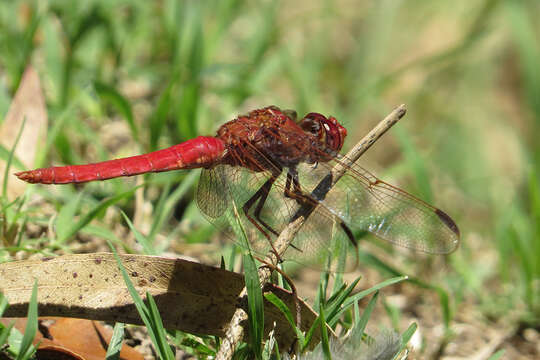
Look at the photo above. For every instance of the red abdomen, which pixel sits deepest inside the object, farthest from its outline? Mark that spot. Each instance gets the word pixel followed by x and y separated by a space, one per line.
pixel 203 151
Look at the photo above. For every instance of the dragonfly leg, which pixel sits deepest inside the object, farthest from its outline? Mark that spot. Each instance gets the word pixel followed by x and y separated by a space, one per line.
pixel 258 210
pixel 296 193
pixel 260 205
pixel 302 198
pixel 261 196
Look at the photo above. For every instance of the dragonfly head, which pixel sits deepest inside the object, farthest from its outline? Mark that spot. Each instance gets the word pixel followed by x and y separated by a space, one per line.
pixel 330 133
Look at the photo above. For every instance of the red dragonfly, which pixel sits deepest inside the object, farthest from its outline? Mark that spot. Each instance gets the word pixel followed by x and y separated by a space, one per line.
pixel 264 166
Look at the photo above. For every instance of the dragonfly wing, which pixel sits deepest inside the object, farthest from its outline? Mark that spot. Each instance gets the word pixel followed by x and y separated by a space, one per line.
pixel 224 190
pixel 366 203
pixel 213 194
pixel 221 195
pixel 323 244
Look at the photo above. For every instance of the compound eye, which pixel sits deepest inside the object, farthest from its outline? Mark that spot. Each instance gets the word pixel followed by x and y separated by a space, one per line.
pixel 312 123
pixel 312 126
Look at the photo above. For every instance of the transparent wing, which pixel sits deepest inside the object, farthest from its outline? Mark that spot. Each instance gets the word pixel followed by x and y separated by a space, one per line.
pixel 359 200
pixel 366 203
pixel 321 242
pixel 213 196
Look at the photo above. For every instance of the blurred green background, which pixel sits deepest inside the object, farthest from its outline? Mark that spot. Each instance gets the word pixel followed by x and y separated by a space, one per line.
pixel 125 77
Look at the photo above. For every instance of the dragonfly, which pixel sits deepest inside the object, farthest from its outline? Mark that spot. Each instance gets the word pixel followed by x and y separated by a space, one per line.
pixel 262 168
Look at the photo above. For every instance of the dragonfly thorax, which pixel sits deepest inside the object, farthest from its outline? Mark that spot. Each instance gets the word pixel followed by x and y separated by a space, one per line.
pixel 269 139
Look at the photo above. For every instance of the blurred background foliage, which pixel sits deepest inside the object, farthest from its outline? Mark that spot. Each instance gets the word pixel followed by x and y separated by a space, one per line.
pixel 124 77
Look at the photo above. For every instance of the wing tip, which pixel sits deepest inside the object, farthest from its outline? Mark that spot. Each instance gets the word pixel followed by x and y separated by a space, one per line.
pixel 450 224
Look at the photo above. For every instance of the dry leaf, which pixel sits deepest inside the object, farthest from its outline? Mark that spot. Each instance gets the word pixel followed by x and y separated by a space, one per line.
pixel 28 104
pixel 76 339
pixel 191 297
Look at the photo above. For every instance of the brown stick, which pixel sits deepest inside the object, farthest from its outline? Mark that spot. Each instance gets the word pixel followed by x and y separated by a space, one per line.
pixel 235 330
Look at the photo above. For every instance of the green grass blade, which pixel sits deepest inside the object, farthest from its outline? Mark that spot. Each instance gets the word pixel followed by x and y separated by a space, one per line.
pixel 277 302
pixel 94 212
pixel 148 316
pixel 5 332
pixel 255 305
pixel 533 296
pixel 3 304
pixel 121 103
pixel 27 349
pixel 159 117
pixel 92 19
pixel 324 331
pixel 416 163
pixel 159 213
pixel 325 276
pixel 497 355
pixel 105 233
pixel 405 337
pixel 336 307
pixel 525 34
pixel 189 102
pixel 115 345
pixel 393 313
pixel 10 159
pixel 141 239
pixel 28 42
pixel 349 302
pixel 310 333
pixel 362 322
pixel 4 156
pixel 336 293
pixel 64 222
pixel 254 292
pixel 197 346
pixel 276 356
pixel 165 207
pixel 443 294
pixel 59 124
pixel 158 323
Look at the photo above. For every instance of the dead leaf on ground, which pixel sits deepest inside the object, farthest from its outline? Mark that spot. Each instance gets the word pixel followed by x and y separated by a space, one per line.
pixel 28 104
pixel 77 339
pixel 191 297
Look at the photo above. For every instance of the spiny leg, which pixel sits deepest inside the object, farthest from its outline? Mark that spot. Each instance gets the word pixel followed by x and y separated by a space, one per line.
pixel 262 201
pixel 262 193
pixel 296 194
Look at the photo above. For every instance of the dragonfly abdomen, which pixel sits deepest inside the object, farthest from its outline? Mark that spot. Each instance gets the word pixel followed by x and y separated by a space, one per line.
pixel 199 152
